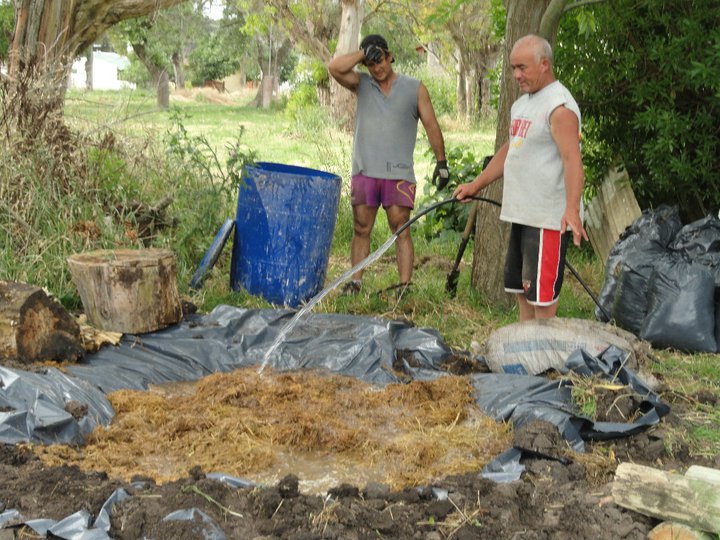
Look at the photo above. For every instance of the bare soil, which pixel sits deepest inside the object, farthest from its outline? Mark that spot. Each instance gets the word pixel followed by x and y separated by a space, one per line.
pixel 560 495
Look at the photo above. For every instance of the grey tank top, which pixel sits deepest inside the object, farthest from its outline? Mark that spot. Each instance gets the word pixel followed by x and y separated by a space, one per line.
pixel 386 129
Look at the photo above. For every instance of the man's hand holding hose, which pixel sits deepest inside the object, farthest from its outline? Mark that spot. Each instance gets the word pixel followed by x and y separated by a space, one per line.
pixel 491 172
pixel 464 192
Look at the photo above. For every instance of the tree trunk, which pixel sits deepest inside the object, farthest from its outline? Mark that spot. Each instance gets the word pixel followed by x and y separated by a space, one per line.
pixel 523 17
pixel 163 89
pixel 158 75
pixel 343 101
pixel 177 60
pixel 462 108
pixel 271 63
pixel 89 57
pixel 34 327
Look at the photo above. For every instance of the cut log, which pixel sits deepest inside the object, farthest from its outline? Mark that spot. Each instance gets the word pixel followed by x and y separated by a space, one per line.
pixel 668 496
pixel 704 473
pixel 677 531
pixel 35 327
pixel 129 291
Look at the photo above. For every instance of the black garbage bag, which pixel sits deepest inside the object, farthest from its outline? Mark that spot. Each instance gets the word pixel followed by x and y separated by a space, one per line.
pixel 652 231
pixel 681 306
pixel 699 242
pixel 630 304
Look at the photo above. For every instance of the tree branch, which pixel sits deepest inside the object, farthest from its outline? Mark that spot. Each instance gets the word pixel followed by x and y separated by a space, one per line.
pixel 581 3
pixel 551 19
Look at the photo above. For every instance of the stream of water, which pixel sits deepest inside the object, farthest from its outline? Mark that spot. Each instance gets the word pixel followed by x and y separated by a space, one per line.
pixel 322 294
pixel 359 266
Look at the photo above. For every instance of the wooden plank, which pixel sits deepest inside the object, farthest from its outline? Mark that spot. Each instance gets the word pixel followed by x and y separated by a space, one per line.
pixel 610 212
pixel 668 496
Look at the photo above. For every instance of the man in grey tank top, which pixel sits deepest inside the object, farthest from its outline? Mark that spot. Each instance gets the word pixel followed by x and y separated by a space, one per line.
pixel 388 108
pixel 543 181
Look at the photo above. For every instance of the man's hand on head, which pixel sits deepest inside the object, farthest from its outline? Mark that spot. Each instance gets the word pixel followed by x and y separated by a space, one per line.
pixel 373 54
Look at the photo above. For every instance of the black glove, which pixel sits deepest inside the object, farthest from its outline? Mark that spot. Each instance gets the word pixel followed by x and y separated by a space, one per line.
pixel 373 54
pixel 441 176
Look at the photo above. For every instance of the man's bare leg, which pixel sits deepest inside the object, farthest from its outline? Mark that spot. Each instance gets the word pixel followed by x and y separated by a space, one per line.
pixel 404 249
pixel 363 221
pixel 529 312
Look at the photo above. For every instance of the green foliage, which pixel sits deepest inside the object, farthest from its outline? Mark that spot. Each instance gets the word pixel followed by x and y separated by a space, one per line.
pixel 208 186
pixel 113 177
pixel 450 218
pixel 136 72
pixel 302 102
pixel 213 60
pixel 498 14
pixel 7 25
pixel 394 26
pixel 63 199
pixel 440 85
pixel 197 158
pixel 648 83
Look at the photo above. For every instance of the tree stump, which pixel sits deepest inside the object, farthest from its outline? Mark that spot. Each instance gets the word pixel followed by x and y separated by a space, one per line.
pixel 129 291
pixel 34 327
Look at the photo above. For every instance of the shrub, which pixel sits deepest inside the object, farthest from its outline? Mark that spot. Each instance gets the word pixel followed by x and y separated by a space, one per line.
pixel 648 84
pixel 464 167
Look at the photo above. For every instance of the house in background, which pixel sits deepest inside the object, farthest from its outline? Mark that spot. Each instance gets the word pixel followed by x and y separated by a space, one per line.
pixel 105 69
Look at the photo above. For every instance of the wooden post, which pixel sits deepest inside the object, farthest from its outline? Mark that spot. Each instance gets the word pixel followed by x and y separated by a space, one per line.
pixel 672 497
pixel 34 327
pixel 129 291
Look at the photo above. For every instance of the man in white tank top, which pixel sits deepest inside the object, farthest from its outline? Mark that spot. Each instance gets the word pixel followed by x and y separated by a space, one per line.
pixel 543 181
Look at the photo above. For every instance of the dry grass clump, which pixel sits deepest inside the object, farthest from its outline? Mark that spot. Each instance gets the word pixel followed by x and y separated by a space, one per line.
pixel 599 466
pixel 325 428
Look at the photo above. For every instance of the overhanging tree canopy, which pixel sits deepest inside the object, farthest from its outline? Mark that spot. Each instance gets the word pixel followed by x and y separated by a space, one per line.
pixel 52 32
pixel 648 83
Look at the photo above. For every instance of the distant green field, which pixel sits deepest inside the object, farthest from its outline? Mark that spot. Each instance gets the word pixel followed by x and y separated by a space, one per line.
pixel 219 117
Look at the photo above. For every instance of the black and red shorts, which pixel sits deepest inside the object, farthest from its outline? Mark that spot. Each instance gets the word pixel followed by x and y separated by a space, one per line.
pixel 535 263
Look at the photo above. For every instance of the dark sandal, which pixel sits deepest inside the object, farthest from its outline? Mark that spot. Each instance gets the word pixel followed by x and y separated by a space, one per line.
pixel 351 288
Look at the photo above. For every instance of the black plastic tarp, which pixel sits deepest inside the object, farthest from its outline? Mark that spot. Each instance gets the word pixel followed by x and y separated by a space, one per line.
pixel 521 399
pixel 230 338
pixel 221 341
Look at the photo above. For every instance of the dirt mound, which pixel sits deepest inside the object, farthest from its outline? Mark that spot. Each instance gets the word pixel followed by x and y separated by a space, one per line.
pixel 553 500
pixel 560 495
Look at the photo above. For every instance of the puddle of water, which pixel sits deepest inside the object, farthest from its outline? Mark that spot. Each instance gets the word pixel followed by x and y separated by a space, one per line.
pixel 318 474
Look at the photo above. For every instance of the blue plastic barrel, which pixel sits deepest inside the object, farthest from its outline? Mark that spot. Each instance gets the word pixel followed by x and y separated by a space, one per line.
pixel 283 231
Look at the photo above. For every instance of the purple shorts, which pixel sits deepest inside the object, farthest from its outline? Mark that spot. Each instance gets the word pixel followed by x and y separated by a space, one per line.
pixel 376 191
